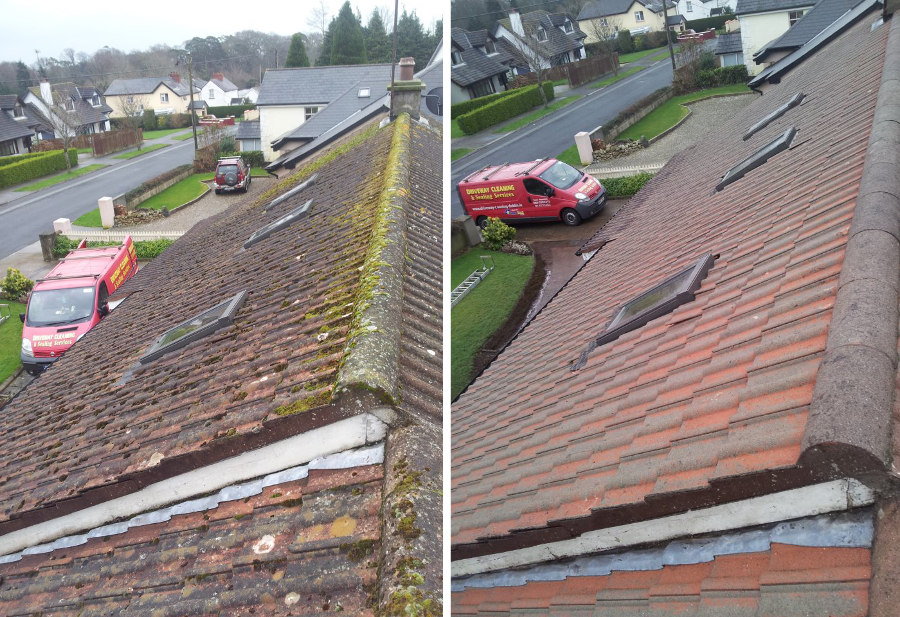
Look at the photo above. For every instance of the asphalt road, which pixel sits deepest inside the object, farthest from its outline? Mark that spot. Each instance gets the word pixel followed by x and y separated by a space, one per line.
pixel 553 134
pixel 23 218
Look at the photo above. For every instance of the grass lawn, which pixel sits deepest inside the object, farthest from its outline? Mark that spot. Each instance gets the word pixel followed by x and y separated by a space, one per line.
pixel 78 171
pixel 144 150
pixel 637 55
pixel 570 156
pixel 186 136
pixel 459 153
pixel 484 309
pixel 160 133
pixel 663 54
pixel 85 150
pixel 614 78
pixel 537 114
pixel 10 340
pixel 669 113
pixel 455 131
pixel 173 197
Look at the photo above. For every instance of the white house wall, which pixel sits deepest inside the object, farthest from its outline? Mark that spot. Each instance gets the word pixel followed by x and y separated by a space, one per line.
pixel 274 122
pixel 756 31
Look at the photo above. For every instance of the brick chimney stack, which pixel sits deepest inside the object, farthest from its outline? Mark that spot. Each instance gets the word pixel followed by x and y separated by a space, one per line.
pixel 218 76
pixel 407 92
pixel 176 77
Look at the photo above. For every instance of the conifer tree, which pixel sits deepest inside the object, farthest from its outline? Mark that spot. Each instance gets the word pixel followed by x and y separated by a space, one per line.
pixel 348 46
pixel 378 42
pixel 296 53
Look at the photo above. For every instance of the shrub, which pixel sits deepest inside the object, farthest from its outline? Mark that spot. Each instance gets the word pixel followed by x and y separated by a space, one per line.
pixel 15 285
pixel 150 123
pixel 145 249
pixel 708 61
pixel 722 76
pixel 496 234
pixel 518 102
pixel 223 111
pixel 626 43
pixel 253 158
pixel 704 24
pixel 657 38
pixel 641 43
pixel 625 187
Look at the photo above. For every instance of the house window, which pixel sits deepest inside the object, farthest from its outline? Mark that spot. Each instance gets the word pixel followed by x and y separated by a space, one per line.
pixel 541 34
pixel 7 148
pixel 792 102
pixel 482 88
pixel 288 219
pixel 364 93
pixel 489 47
pixel 603 22
pixel 18 112
pixel 309 112
pixel 163 97
pixel 639 16
pixel 211 94
pixel 690 7
pixel 783 142
pixel 456 57
pixel 69 105
pixel 567 27
pixel 129 99
pixel 794 17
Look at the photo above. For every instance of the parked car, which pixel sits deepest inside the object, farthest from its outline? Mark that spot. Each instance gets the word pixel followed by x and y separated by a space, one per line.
pixel 232 174
pixel 542 190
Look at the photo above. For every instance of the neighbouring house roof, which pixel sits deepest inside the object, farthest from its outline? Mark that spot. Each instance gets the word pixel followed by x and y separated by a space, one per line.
pixel 607 8
pixel 345 113
pixel 747 7
pixel 198 104
pixel 729 43
pixel 318 85
pixel 476 64
pixel 558 42
pixel 248 129
pixel 819 17
pixel 778 375
pixel 88 113
pixel 11 128
pixel 145 85
pixel 224 83
pixel 674 20
pixel 327 387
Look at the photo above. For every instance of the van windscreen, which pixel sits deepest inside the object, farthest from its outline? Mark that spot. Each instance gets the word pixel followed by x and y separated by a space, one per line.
pixel 561 175
pixel 56 307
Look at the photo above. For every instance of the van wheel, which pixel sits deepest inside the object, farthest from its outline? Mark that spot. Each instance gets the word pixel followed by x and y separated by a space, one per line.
pixel 570 217
pixel 482 222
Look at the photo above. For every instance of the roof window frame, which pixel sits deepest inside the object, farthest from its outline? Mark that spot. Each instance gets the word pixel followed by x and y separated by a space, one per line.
pixel 758 158
pixel 283 222
pixel 688 282
pixel 794 101
pixel 224 316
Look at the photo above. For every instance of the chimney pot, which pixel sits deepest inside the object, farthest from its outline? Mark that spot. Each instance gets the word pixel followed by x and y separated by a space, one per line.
pixel 175 77
pixel 407 65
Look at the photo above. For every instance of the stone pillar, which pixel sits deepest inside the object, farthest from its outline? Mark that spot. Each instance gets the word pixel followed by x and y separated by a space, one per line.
pixel 48 240
pixel 107 212
pixel 62 226
pixel 585 151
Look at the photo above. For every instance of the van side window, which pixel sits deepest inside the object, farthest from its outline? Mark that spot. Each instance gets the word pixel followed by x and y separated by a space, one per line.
pixel 536 187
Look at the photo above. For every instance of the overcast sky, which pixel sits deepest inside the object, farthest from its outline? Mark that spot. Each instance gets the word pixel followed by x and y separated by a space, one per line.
pixel 54 25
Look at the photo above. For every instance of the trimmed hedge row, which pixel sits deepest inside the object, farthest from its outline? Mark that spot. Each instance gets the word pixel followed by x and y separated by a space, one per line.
pixel 722 76
pixel 465 107
pixel 626 186
pixel 35 165
pixel 253 158
pixel 153 182
pixel 704 24
pixel 145 249
pixel 518 102
pixel 223 111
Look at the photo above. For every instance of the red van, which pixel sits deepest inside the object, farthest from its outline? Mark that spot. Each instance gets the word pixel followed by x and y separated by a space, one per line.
pixel 542 190
pixel 71 300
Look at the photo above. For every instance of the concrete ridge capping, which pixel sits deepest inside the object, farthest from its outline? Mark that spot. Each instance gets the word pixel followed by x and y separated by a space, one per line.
pixel 849 425
pixel 372 357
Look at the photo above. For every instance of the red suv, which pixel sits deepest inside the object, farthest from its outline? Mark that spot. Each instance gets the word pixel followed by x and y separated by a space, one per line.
pixel 232 174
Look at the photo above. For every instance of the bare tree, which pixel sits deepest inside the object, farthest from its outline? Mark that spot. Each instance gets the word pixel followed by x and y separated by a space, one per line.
pixel 64 119
pixel 534 49
pixel 132 107
pixel 605 29
pixel 318 16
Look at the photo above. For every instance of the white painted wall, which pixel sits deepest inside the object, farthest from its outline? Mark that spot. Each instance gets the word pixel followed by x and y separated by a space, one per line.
pixel 275 121
pixel 759 29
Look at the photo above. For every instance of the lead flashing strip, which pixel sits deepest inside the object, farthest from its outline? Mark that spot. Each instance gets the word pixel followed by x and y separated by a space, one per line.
pixel 845 530
pixel 834 496
pixel 372 359
pixel 849 425
pixel 356 432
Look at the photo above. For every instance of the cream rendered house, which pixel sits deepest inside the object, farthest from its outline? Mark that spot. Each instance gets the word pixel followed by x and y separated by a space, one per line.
pixel 163 96
pixel 762 21
pixel 637 16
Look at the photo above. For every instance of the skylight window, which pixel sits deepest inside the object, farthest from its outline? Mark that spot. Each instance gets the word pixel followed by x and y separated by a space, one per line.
pixel 264 232
pixel 195 328
pixel 307 183
pixel 364 93
pixel 795 100
pixel 653 303
pixel 750 163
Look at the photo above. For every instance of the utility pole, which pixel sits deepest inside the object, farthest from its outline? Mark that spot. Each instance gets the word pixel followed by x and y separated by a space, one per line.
pixel 669 36
pixel 193 113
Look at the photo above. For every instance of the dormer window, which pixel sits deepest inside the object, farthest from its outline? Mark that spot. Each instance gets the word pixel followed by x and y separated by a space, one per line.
pixel 541 34
pixel 456 57
pixel 69 105
pixel 18 112
pixel 95 100
pixel 567 27
pixel 489 47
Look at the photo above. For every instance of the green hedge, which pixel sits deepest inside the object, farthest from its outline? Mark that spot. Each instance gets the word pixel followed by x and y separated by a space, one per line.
pixel 173 121
pixel 722 76
pixel 223 111
pixel 704 24
pixel 36 165
pixel 520 101
pixel 253 158
pixel 466 106
pixel 153 182
pixel 145 249
pixel 149 121
pixel 625 187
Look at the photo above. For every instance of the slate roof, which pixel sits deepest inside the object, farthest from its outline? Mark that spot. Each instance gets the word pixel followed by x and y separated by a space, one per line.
pixel 606 8
pixel 342 322
pixel 728 43
pixel 558 42
pixel 747 389
pixel 225 84
pixel 10 128
pixel 81 95
pixel 822 15
pixel 248 129
pixel 318 85
pixel 145 85
pixel 674 20
pixel 747 7
pixel 476 64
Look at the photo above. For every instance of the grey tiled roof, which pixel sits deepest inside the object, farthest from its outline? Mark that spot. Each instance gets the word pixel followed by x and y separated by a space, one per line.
pixel 248 129
pixel 558 42
pixel 817 19
pixel 317 85
pixel 728 43
pixel 10 128
pixel 606 8
pixel 225 84
pixel 476 65
pixel 745 7
pixel 87 112
pixel 674 20
pixel 145 85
